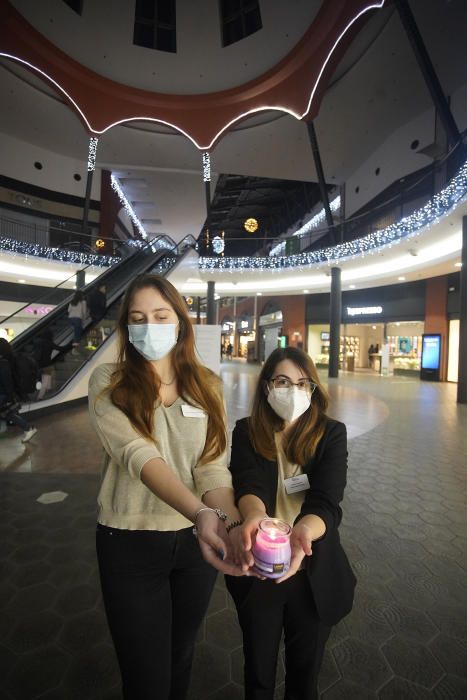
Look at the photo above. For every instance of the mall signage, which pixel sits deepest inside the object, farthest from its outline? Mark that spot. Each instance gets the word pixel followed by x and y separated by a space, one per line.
pixel 364 310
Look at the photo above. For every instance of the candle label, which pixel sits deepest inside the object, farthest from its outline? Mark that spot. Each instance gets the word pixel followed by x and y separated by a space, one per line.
pixel 268 567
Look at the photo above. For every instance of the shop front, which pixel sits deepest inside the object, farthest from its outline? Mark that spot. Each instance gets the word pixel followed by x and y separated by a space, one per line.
pixel 271 337
pixel 227 336
pixel 246 335
pixel 381 330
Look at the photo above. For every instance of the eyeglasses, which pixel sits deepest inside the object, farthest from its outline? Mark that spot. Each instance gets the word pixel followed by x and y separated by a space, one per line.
pixel 281 382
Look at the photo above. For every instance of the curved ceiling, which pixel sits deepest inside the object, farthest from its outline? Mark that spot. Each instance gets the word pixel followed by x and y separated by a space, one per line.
pixel 294 85
pixel 377 88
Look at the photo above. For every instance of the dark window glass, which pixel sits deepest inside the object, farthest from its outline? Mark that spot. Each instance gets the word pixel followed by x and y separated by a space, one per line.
pixel 155 25
pixel 76 5
pixel 239 18
pixel 145 10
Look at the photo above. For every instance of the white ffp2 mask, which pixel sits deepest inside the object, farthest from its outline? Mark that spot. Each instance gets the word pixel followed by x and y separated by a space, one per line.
pixel 289 403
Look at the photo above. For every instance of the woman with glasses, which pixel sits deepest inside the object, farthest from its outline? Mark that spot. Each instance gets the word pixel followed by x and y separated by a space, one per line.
pixel 289 461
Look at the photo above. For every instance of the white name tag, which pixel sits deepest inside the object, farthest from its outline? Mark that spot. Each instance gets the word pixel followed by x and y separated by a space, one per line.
pixel 192 412
pixel 296 483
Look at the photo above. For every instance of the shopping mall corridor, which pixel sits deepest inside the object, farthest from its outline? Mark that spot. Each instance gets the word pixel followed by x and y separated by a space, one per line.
pixel 404 529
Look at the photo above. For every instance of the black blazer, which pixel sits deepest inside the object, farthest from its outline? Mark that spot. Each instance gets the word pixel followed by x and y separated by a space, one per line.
pixel 328 569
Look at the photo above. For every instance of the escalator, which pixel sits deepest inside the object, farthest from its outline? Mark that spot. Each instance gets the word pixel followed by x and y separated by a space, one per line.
pixel 67 363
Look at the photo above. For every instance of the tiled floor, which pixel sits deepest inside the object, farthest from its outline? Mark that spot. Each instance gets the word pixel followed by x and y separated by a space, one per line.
pixel 404 528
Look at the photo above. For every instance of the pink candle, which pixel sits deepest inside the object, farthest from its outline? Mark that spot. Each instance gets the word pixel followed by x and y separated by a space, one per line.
pixel 271 550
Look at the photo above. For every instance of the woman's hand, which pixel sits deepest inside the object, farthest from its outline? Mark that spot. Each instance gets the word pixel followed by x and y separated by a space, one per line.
pixel 300 544
pixel 241 557
pixel 250 528
pixel 242 538
pixel 214 543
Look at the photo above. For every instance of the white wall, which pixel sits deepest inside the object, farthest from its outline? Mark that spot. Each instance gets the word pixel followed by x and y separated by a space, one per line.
pixel 395 158
pixel 17 160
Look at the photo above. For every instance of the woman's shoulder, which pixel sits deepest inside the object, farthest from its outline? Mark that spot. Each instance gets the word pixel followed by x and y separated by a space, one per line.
pixel 242 425
pixel 334 429
pixel 102 374
pixel 333 424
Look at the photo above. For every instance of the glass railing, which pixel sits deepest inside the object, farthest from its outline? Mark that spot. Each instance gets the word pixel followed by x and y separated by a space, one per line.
pixel 39 311
pixel 67 359
pixel 402 199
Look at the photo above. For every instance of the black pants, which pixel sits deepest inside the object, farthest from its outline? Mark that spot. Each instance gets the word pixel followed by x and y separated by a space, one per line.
pixel 265 609
pixel 156 589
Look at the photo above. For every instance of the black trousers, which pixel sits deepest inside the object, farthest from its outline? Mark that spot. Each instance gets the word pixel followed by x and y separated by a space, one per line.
pixel 156 588
pixel 265 609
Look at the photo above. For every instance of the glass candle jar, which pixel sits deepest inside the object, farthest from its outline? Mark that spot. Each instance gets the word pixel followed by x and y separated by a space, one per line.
pixel 271 550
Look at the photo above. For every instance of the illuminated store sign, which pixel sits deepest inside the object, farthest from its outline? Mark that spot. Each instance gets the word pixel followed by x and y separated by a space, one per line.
pixel 364 310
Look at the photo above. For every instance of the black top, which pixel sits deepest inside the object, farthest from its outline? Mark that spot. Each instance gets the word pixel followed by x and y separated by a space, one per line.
pixel 97 304
pixel 331 577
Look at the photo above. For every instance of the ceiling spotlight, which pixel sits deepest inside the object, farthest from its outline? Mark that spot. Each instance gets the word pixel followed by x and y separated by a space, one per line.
pixel 306 291
pixel 458 264
pixel 401 279
pixel 351 286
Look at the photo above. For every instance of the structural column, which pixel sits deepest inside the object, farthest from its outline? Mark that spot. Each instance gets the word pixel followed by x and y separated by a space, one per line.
pixel 426 66
pixel 206 162
pixel 335 322
pixel 321 181
pixel 211 306
pixel 462 379
pixel 256 328
pixel 336 298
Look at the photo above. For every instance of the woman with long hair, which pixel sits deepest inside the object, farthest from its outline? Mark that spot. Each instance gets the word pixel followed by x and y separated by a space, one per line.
pixel 160 416
pixel 289 461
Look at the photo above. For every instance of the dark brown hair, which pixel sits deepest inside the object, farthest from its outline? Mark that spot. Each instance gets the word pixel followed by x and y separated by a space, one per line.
pixel 135 385
pixel 304 435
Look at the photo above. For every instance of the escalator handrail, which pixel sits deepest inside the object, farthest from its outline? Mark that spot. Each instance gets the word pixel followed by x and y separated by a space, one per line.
pixel 58 311
pixel 164 253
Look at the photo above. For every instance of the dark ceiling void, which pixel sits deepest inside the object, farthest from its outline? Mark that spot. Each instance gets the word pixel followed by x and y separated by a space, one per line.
pixel 276 205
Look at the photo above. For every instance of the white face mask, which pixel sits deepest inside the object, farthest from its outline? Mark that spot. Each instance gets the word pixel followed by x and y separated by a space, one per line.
pixel 289 404
pixel 153 340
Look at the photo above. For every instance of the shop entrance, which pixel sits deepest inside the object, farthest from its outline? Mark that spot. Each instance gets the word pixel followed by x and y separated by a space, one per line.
pixel 361 346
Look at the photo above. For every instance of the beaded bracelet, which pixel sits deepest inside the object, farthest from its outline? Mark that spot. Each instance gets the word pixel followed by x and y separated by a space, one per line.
pixel 220 514
pixel 235 523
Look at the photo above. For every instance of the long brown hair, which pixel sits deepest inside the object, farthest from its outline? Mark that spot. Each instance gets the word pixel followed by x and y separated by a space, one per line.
pixel 301 440
pixel 135 385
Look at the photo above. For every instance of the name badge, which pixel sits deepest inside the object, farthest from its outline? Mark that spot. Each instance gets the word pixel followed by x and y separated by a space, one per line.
pixel 192 411
pixel 297 483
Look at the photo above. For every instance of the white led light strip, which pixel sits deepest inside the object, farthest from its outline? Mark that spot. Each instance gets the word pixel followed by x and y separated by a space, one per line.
pixel 372 6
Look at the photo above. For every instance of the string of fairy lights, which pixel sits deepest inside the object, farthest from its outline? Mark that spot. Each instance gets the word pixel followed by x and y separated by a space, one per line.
pixel 313 223
pixel 14 247
pixel 92 153
pixel 422 219
pixel 127 206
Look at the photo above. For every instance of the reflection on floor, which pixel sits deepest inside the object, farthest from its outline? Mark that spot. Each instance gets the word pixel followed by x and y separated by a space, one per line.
pixel 404 528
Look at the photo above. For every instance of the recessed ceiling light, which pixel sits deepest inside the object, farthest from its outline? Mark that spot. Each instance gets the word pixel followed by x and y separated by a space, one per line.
pixel 306 291
pixel 401 279
pixel 22 281
pixel 259 294
pixel 351 286
pixel 459 264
